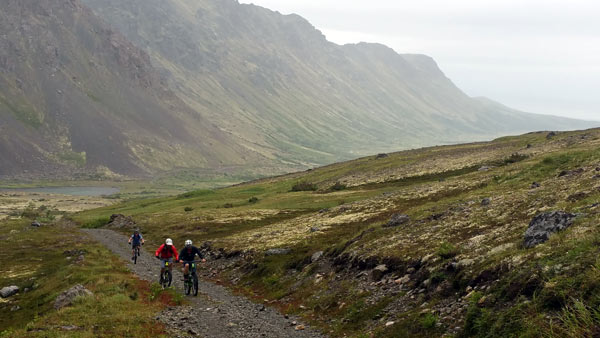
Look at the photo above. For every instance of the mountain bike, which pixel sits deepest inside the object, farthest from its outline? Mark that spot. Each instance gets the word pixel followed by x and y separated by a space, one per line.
pixel 136 253
pixel 166 277
pixel 190 284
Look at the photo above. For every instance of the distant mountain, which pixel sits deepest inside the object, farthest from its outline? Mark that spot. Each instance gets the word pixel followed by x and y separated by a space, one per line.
pixel 276 82
pixel 214 84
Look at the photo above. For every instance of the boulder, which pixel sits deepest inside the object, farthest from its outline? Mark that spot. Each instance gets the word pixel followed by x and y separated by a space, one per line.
pixel 278 251
pixel 8 291
pixel 36 224
pixel 484 168
pixel 569 173
pixel 577 196
pixel 121 221
pixel 379 272
pixel 486 201
pixel 380 156
pixel 545 224
pixel 535 185
pixel 550 135
pixel 396 220
pixel 67 297
pixel 316 256
pixel 403 280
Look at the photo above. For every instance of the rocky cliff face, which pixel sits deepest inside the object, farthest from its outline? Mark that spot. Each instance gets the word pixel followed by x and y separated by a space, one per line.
pixel 76 95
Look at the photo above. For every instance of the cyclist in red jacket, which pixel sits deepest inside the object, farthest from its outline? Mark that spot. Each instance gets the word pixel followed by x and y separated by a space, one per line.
pixel 167 253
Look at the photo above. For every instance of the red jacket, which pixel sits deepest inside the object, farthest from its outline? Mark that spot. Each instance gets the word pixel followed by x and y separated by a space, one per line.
pixel 164 252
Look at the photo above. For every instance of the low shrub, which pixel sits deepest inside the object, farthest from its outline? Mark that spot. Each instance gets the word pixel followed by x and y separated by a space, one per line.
pixel 447 250
pixel 304 186
pixel 338 186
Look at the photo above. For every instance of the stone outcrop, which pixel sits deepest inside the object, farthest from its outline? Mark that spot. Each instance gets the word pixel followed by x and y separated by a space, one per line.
pixel 66 298
pixel 396 220
pixel 544 225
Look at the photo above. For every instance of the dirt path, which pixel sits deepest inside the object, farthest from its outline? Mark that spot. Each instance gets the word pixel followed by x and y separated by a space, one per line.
pixel 215 312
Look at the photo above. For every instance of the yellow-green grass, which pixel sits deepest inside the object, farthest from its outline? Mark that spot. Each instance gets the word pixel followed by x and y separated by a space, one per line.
pixel 35 258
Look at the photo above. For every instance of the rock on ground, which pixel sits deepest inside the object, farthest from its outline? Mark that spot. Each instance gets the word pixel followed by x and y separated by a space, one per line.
pixel 379 271
pixel 545 224
pixel 278 251
pixel 9 291
pixel 67 297
pixel 121 221
pixel 396 220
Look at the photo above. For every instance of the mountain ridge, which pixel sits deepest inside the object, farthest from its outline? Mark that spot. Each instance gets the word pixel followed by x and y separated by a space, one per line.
pixel 154 86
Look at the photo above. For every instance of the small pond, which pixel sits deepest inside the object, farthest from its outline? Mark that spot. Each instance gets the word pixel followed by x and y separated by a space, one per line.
pixel 74 191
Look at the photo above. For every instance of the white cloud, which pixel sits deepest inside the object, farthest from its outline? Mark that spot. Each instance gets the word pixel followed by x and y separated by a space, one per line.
pixel 535 55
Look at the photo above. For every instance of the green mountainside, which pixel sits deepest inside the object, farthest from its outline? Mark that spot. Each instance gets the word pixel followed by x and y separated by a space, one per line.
pixel 419 243
pixel 216 87
pixel 275 81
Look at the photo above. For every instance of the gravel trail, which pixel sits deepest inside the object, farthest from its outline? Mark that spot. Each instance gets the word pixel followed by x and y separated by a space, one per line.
pixel 215 312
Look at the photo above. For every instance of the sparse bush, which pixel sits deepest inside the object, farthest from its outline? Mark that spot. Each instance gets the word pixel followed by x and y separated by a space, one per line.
pixel 30 212
pixel 228 205
pixel 428 321
pixel 304 186
pixel 514 158
pixel 338 186
pixel 254 199
pixel 188 209
pixel 97 223
pixel 196 193
pixel 447 250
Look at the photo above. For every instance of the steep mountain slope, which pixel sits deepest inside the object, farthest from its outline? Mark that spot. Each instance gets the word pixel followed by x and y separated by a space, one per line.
pixel 77 96
pixel 277 83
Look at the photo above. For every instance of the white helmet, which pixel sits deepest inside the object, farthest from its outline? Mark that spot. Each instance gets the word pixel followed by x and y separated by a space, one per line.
pixel 188 242
pixel 169 241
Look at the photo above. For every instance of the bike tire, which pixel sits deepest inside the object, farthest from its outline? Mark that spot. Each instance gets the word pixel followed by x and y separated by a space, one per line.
pixel 188 287
pixel 165 279
pixel 169 278
pixel 195 285
pixel 135 256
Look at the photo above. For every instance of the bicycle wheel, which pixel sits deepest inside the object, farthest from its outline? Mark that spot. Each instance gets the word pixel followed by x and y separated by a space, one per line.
pixel 195 285
pixel 169 277
pixel 135 255
pixel 164 279
pixel 188 287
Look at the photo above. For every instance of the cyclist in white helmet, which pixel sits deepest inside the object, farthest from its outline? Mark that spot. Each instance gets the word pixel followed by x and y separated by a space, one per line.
pixel 166 253
pixel 187 256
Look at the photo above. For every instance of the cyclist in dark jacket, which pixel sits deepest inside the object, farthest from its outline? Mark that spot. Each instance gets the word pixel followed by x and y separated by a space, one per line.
pixel 135 240
pixel 187 255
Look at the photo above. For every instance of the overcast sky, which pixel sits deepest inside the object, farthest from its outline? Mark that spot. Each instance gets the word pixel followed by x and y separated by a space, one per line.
pixel 540 56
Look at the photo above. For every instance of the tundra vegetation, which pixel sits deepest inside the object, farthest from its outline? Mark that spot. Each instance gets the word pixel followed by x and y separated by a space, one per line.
pixel 456 265
pixel 453 262
pixel 45 261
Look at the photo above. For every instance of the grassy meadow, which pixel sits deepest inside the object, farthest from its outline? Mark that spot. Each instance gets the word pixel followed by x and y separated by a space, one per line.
pixel 44 262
